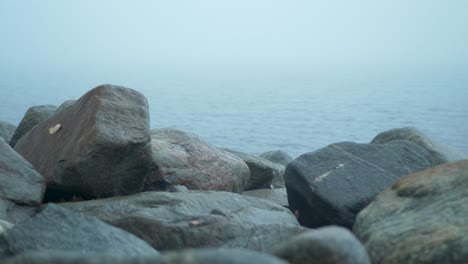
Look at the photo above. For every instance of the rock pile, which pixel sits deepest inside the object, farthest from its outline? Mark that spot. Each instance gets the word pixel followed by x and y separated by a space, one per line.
pixel 89 182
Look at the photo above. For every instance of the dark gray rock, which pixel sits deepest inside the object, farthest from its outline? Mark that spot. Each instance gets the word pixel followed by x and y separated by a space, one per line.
pixel 170 221
pixel 31 118
pixel 56 228
pixel 263 173
pixel 21 187
pixel 201 256
pixel 278 195
pixel 422 218
pixel 183 158
pixel 440 153
pixel 101 149
pixel 326 245
pixel 277 156
pixel 65 105
pixel 6 130
pixel 331 185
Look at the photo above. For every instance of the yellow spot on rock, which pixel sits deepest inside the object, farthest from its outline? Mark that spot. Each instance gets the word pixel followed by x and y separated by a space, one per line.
pixel 54 129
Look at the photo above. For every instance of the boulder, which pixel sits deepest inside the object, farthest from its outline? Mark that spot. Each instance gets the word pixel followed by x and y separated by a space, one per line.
pixel 263 173
pixel 65 105
pixel 278 195
pixel 277 156
pixel 6 130
pixel 326 245
pixel 56 228
pixel 208 256
pixel 32 117
pixel 331 185
pixel 21 187
pixel 183 158
pixel 440 153
pixel 170 221
pixel 98 147
pixel 422 218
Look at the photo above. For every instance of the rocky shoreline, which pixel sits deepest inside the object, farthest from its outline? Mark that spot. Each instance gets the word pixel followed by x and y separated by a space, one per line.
pixel 90 182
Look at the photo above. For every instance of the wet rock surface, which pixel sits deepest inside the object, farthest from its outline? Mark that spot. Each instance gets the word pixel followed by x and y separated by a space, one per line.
pixel 183 158
pixel 170 221
pixel 98 147
pixel 422 218
pixel 331 185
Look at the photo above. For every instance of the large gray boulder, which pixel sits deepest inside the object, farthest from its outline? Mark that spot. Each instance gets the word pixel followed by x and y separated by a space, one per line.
pixel 263 173
pixel 194 219
pixel 422 218
pixel 56 228
pixel 6 130
pixel 183 158
pixel 277 156
pixel 65 105
pixel 31 118
pixel 440 153
pixel 98 147
pixel 21 187
pixel 326 245
pixel 331 185
pixel 205 256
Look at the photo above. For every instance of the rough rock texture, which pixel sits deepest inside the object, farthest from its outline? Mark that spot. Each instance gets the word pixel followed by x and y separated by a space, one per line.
pixel 170 221
pixel 326 245
pixel 277 156
pixel 263 173
pixel 440 153
pixel 21 187
pixel 278 195
pixel 101 148
pixel 56 228
pixel 331 185
pixel 31 118
pixel 6 130
pixel 422 218
pixel 201 256
pixel 4 226
pixel 183 158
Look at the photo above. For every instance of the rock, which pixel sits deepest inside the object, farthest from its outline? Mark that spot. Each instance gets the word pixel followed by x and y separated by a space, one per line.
pixel 170 221
pixel 327 245
pixel 217 256
pixel 21 187
pixel 183 158
pixel 278 195
pixel 331 185
pixel 100 146
pixel 277 156
pixel 178 188
pixel 56 228
pixel 422 218
pixel 32 117
pixel 4 226
pixel 6 130
pixel 440 153
pixel 263 173
pixel 65 105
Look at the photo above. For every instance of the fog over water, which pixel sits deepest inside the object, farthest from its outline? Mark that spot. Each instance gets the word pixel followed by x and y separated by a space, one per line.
pixel 249 75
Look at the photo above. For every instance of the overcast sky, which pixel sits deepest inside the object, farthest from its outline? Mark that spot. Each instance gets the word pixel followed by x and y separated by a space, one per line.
pixel 255 32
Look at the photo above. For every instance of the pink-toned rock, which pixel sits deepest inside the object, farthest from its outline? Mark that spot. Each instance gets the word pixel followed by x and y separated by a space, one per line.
pixel 183 158
pixel 98 147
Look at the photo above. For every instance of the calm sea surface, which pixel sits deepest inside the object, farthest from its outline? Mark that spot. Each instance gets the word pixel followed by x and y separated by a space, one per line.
pixel 256 111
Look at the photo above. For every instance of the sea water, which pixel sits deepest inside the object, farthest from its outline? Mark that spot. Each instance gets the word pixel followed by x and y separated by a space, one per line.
pixel 256 110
